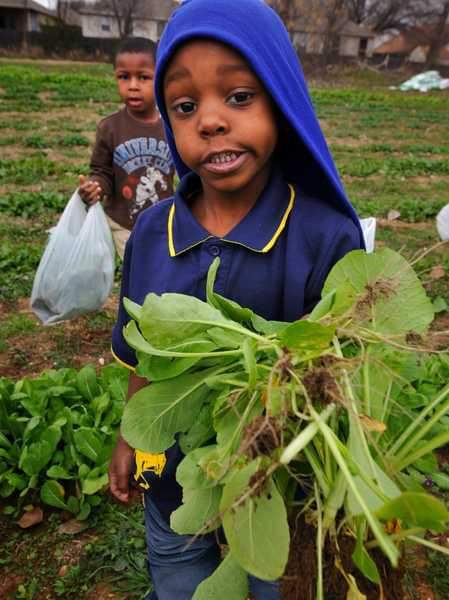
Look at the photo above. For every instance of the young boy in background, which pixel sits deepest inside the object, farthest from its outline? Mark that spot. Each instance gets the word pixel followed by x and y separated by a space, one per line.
pixel 258 188
pixel 131 167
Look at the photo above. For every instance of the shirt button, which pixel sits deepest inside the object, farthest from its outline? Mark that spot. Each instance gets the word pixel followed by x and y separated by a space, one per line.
pixel 214 250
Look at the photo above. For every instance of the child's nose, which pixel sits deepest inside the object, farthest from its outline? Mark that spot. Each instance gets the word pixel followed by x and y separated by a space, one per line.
pixel 212 123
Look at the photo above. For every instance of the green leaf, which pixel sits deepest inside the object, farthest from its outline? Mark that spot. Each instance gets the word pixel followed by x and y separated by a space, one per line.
pixel 89 443
pixel 376 288
pixel 199 509
pixel 362 559
pixel 37 455
pixel 133 309
pixel 190 473
pixel 192 351
pixel 87 384
pixel 52 493
pixel 228 582
pixel 256 528
pixel 416 510
pixel 323 307
pixel 307 337
pixel 58 472
pixel 440 305
pixel 84 511
pixel 201 431
pixel 92 486
pixel 4 442
pixel 156 413
pixel 170 319
pixel 73 505
pixel 441 480
pixel 249 356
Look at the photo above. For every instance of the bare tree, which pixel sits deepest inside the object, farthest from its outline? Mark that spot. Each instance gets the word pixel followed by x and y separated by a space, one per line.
pixel 124 11
pixel 439 37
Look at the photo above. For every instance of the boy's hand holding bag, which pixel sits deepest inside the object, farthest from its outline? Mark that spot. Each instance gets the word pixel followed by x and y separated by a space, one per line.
pixel 76 272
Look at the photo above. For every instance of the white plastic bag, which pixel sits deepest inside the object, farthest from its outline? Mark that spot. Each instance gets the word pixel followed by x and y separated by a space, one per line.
pixel 369 232
pixel 76 272
pixel 443 223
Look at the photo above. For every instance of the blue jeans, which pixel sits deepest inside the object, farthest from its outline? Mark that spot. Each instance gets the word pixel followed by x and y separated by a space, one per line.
pixel 178 565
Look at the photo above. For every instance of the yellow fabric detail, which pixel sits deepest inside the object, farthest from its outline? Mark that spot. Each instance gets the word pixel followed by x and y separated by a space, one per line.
pixel 121 362
pixel 171 216
pixel 283 222
pixel 146 462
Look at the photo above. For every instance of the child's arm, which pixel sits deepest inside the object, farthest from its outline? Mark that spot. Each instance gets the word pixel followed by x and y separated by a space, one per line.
pixel 89 190
pixel 122 458
pixel 101 179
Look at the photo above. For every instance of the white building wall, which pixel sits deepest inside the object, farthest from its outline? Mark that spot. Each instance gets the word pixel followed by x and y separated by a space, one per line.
pixel 107 27
pixel 349 46
pixel 99 27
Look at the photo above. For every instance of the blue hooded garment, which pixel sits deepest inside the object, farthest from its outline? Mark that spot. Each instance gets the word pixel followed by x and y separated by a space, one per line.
pixel 254 30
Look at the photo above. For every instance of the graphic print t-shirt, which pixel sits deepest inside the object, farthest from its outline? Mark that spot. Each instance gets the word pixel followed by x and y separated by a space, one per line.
pixel 131 161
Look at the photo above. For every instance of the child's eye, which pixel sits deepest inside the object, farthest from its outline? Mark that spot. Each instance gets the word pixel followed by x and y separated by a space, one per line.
pixel 123 76
pixel 185 108
pixel 145 77
pixel 241 98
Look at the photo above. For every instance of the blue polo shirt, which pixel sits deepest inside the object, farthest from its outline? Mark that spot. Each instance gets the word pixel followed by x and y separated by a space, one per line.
pixel 275 261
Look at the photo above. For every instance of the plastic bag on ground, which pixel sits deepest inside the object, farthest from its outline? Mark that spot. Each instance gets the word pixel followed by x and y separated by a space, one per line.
pixel 424 82
pixel 443 223
pixel 76 272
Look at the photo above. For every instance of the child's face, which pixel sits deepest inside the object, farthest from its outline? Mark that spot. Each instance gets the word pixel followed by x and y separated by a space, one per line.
pixel 134 72
pixel 222 118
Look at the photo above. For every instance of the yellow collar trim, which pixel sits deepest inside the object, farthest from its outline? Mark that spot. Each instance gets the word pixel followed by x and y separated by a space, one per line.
pixel 121 362
pixel 265 249
pixel 283 222
pixel 171 216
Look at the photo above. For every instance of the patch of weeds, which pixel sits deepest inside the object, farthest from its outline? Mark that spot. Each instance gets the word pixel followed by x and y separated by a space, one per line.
pixel 393 166
pixel 8 141
pixel 73 140
pixel 437 573
pixel 101 320
pixel 27 170
pixel 29 204
pixel 18 263
pixel 119 555
pixel 35 141
pixel 15 325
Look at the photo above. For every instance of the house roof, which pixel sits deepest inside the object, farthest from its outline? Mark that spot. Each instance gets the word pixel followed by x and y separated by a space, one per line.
pixel 404 42
pixel 28 5
pixel 157 10
pixel 349 28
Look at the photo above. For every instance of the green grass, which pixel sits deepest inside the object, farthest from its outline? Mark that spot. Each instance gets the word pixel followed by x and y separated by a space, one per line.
pixel 113 553
pixel 15 325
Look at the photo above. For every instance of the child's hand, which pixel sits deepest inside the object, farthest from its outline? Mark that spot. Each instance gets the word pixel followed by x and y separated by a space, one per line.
pixel 89 190
pixel 120 470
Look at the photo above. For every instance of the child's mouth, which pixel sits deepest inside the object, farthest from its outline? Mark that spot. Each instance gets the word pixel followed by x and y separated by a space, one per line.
pixel 134 101
pixel 224 162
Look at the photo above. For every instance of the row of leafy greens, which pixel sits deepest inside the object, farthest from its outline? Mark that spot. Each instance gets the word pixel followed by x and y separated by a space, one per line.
pixel 342 404
pixel 57 433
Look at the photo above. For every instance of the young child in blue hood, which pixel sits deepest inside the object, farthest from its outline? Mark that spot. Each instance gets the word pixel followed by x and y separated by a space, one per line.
pixel 258 188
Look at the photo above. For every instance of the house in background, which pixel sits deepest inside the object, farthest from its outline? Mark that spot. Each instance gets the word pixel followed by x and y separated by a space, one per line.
pixel 351 40
pixel 22 16
pixel 411 44
pixel 98 20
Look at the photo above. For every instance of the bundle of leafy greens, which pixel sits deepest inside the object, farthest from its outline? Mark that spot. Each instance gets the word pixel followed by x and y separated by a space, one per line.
pixel 331 403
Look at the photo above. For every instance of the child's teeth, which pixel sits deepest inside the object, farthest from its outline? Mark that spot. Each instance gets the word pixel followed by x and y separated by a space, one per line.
pixel 224 158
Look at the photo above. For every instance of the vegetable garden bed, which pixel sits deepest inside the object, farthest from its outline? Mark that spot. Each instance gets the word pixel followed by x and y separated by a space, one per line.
pixel 391 149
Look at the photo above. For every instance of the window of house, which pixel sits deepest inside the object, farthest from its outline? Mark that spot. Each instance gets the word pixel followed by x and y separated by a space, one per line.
pixel 34 22
pixel 363 47
pixel 105 24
